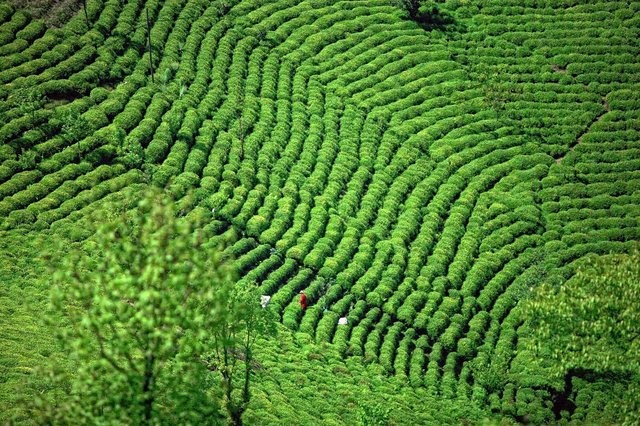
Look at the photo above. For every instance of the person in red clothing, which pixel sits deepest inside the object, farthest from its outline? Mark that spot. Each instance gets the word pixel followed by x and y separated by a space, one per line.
pixel 303 300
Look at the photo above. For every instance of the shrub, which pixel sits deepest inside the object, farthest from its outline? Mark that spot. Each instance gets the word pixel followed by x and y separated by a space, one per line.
pixel 437 324
pixel 327 326
pixel 416 367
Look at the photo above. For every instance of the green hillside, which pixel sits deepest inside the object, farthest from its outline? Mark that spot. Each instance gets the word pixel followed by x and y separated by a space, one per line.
pixel 422 179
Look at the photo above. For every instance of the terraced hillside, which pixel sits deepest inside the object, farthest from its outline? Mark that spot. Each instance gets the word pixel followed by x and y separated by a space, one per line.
pixel 419 182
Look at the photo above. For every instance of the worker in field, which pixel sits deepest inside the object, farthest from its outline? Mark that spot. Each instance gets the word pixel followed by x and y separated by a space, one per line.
pixel 303 300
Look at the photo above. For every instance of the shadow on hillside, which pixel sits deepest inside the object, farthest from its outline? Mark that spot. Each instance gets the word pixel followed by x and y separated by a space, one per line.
pixel 438 20
pixel 435 19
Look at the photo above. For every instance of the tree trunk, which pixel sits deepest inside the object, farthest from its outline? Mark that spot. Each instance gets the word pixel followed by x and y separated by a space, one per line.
pixel 236 419
pixel 147 388
pixel 246 395
pixel 234 413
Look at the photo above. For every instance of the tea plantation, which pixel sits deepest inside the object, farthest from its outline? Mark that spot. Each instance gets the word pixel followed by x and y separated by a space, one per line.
pixel 424 179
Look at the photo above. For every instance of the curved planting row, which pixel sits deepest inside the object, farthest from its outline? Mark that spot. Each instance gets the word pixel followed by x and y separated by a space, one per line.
pixel 567 74
pixel 417 183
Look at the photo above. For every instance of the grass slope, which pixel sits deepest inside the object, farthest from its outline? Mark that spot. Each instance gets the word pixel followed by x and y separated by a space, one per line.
pixel 297 382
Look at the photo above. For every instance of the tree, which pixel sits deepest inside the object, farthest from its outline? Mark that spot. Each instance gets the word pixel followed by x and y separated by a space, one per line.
pixel 140 297
pixel 426 12
pixel 592 320
pixel 231 346
pixel 130 152
pixel 412 7
pixel 589 328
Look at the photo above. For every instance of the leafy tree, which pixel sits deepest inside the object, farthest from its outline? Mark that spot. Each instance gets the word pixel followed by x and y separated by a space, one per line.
pixel 30 101
pixel 141 296
pixel 592 320
pixel 74 127
pixel 231 346
pixel 589 328
pixel 422 11
pixel 130 152
pixel 373 414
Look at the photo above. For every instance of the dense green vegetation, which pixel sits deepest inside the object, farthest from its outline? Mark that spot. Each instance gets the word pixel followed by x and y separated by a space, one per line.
pixel 139 296
pixel 436 183
pixel 584 337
